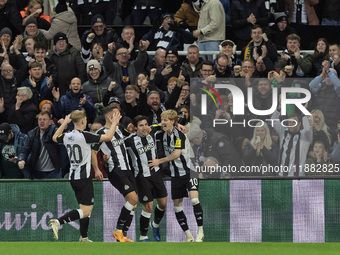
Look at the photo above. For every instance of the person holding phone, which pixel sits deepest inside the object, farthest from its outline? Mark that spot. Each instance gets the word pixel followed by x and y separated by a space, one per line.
pixel 261 150
pixel 172 68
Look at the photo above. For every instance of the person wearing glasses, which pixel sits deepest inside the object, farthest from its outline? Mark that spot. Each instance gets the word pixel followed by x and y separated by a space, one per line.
pixel 222 67
pixel 98 33
pixel 245 72
pixel 207 69
pixel 124 72
pixel 23 112
pixel 8 88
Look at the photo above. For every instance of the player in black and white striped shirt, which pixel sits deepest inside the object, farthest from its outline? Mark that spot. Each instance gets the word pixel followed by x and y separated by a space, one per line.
pixel 120 174
pixel 177 150
pixel 78 145
pixel 142 148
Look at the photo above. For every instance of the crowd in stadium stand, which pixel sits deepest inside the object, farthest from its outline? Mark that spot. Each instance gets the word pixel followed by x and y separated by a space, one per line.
pixel 49 69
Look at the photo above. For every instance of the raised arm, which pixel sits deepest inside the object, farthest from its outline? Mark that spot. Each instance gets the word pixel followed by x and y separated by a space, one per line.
pixel 109 134
pixel 60 130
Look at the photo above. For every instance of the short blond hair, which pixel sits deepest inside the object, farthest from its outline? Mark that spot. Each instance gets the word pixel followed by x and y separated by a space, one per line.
pixel 132 87
pixel 77 116
pixel 293 37
pixel 171 115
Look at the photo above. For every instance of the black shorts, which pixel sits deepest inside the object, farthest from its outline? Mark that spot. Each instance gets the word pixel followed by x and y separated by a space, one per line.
pixel 151 187
pixel 123 181
pixel 83 190
pixel 181 185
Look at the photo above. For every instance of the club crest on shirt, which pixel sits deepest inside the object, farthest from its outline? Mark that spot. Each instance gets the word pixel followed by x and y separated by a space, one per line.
pixel 126 187
pixel 145 198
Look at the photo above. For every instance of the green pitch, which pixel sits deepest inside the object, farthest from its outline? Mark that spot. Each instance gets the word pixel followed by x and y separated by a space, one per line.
pixel 66 248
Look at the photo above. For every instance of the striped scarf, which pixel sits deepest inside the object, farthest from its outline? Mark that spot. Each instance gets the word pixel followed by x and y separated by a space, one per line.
pixel 155 119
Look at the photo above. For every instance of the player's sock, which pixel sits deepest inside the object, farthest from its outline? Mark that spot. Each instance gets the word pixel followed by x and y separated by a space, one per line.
pixel 71 216
pixel 180 216
pixel 84 226
pixel 159 213
pixel 144 223
pixel 128 223
pixel 124 214
pixel 198 211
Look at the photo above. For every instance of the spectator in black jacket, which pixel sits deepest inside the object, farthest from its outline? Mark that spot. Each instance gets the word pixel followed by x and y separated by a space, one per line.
pixel 68 62
pixel 263 64
pixel 150 105
pixel 127 40
pixel 103 34
pixel 172 69
pixel 10 16
pixel 40 85
pixel 5 40
pixel 321 53
pixel 40 52
pixel 24 112
pixel 245 14
pixel 254 48
pixel 8 89
pixel 222 67
pixel 168 35
pixel 41 154
pixel 278 32
pixel 262 98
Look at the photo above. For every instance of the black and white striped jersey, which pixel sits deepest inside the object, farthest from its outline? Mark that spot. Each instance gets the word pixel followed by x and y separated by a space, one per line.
pixel 78 145
pixel 177 140
pixel 293 147
pixel 141 151
pixel 115 148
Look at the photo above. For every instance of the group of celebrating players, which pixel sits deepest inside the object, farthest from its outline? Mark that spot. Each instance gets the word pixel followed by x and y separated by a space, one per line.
pixel 135 165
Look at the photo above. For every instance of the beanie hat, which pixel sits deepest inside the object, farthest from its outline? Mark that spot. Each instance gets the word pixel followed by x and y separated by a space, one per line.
pixel 93 63
pixel 61 6
pixel 6 31
pixel 280 16
pixel 45 102
pixel 31 21
pixel 59 36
